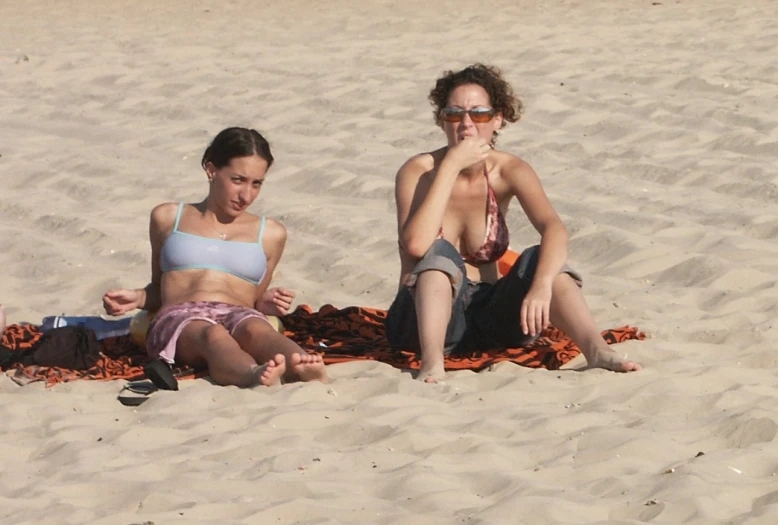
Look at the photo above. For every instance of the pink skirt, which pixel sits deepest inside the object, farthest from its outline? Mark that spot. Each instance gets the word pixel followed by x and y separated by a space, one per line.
pixel 166 327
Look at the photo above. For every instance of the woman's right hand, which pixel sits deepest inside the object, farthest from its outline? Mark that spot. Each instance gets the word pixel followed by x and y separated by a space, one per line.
pixel 467 152
pixel 119 302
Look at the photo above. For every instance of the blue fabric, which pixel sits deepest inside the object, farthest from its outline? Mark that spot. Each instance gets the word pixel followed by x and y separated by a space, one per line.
pixel 185 251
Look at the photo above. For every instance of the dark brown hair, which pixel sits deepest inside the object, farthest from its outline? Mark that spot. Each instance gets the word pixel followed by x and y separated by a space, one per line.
pixel 490 78
pixel 236 142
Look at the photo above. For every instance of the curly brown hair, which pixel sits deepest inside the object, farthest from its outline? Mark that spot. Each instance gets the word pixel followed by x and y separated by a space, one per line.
pixel 490 78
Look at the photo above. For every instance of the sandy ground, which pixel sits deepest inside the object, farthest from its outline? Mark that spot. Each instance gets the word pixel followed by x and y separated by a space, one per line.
pixel 654 130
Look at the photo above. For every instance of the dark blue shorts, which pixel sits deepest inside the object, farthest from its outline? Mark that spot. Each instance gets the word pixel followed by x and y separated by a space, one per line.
pixel 484 316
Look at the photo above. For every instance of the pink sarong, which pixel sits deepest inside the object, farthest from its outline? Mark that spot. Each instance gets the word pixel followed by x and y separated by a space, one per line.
pixel 166 327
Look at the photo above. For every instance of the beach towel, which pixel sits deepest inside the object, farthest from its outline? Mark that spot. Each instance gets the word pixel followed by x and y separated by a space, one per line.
pixel 338 335
pixel 73 347
pixel 120 358
pixel 358 333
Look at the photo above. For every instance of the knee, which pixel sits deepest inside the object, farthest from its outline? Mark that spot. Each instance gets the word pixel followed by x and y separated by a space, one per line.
pixel 252 329
pixel 442 263
pixel 436 281
pixel 564 281
pixel 442 249
pixel 251 332
pixel 214 333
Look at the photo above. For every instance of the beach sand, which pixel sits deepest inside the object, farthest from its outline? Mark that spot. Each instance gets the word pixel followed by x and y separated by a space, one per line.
pixel 653 128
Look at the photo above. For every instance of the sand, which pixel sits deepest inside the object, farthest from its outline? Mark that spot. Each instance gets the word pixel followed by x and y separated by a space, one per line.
pixel 654 130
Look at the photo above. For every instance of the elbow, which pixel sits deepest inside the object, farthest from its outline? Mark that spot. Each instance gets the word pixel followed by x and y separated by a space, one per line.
pixel 413 248
pixel 557 230
pixel 415 253
pixel 565 233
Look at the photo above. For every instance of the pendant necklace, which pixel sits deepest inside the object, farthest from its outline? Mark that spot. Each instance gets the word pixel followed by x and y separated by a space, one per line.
pixel 222 236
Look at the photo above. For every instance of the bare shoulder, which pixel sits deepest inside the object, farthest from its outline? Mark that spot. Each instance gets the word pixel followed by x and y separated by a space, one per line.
pixel 164 215
pixel 275 232
pixel 274 239
pixel 515 174
pixel 512 166
pixel 417 166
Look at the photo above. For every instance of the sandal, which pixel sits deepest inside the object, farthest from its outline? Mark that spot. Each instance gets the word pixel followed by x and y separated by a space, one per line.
pixel 135 393
pixel 159 372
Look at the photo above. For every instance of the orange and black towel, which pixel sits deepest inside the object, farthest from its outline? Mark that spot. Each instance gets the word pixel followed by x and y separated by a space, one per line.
pixel 338 335
pixel 358 333
pixel 120 359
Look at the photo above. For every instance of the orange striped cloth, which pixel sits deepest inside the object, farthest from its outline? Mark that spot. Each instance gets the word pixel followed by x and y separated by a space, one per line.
pixel 120 359
pixel 338 335
pixel 358 333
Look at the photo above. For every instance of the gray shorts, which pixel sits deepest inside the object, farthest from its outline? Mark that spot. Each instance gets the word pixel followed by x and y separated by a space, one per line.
pixel 484 316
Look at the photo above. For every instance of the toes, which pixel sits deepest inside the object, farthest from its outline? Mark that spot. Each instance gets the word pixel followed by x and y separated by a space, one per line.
pixel 620 364
pixel 305 359
pixel 631 367
pixel 270 374
pixel 432 377
pixel 611 360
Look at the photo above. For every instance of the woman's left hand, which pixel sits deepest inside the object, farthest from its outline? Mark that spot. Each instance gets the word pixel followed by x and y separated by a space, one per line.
pixel 276 301
pixel 535 309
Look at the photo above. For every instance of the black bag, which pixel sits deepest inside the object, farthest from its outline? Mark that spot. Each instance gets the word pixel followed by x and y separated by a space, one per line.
pixel 71 347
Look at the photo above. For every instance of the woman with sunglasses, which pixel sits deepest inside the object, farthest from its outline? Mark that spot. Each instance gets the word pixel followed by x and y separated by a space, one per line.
pixel 211 264
pixel 451 206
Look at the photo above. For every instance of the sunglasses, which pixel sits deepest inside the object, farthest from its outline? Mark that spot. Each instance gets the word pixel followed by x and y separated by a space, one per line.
pixel 477 115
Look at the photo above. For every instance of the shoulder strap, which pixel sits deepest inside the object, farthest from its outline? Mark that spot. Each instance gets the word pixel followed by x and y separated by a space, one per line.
pixel 178 216
pixel 490 195
pixel 486 175
pixel 261 230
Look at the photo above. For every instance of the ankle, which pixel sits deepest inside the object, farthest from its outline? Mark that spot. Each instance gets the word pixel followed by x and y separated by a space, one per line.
pixel 251 378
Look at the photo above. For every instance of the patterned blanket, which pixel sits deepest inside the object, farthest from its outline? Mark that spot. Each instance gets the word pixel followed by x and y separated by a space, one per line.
pixel 338 335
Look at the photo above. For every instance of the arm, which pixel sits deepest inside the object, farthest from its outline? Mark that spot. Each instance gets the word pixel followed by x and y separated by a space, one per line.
pixel 275 301
pixel 420 210
pixel 121 301
pixel 553 234
pixel 526 186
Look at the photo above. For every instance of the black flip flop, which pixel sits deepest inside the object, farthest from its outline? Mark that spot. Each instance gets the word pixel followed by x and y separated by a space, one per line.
pixel 159 372
pixel 136 393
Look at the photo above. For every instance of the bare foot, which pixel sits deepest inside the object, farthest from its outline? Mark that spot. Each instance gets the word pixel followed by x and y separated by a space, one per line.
pixel 434 373
pixel 609 359
pixel 308 367
pixel 270 373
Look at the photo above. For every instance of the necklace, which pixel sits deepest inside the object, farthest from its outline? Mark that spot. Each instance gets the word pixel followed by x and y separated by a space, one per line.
pixel 222 235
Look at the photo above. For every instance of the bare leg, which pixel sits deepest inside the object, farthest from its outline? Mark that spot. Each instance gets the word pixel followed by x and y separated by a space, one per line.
pixel 262 342
pixel 433 312
pixel 570 314
pixel 202 343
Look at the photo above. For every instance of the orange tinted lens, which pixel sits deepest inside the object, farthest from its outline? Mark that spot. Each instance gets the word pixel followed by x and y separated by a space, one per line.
pixel 452 114
pixel 481 116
